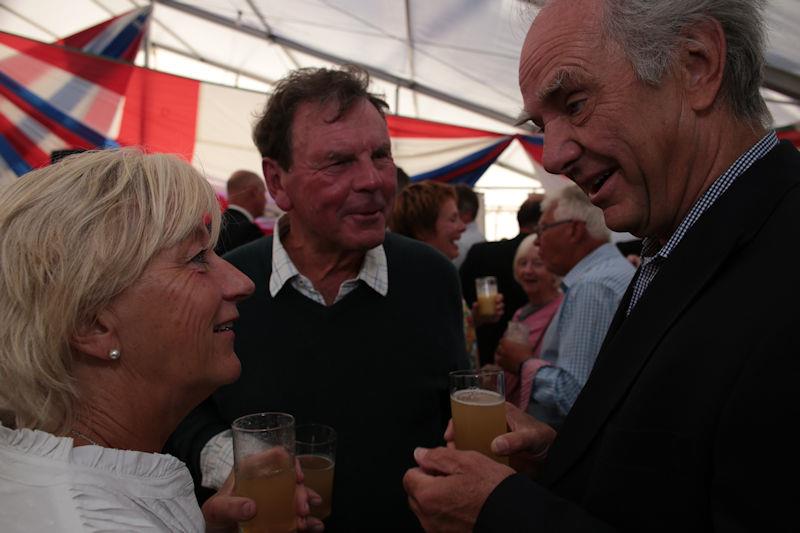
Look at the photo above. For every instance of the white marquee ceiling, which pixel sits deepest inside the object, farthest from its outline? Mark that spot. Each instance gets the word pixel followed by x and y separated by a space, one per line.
pixel 462 52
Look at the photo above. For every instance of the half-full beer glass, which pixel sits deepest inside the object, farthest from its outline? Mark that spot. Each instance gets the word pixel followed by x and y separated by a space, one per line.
pixel 263 459
pixel 316 453
pixel 477 400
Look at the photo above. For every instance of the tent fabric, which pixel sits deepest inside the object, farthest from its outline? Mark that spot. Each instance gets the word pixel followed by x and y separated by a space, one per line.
pixel 118 37
pixel 466 50
pixel 53 98
pixel 50 101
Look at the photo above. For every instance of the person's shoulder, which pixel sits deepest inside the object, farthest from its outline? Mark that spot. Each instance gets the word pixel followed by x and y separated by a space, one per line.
pixel 489 249
pixel 611 275
pixel 232 214
pixel 251 254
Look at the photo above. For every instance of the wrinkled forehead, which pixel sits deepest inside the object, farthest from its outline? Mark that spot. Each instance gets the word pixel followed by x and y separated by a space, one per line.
pixel 316 115
pixel 561 29
pixel 321 125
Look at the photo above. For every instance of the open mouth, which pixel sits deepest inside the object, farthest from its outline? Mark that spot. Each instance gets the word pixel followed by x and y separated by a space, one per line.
pixel 227 326
pixel 366 215
pixel 601 180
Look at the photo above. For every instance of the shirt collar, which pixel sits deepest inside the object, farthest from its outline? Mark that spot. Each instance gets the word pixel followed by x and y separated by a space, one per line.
pixel 374 270
pixel 241 210
pixel 651 246
pixel 600 253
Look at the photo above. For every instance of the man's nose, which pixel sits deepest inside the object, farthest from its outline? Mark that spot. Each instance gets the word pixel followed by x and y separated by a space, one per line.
pixel 368 176
pixel 561 150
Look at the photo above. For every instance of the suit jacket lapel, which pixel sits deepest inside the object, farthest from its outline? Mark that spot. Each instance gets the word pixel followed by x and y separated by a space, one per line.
pixel 729 224
pixel 620 315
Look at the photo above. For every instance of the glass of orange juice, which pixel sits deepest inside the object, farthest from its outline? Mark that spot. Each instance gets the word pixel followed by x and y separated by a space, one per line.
pixel 263 460
pixel 486 293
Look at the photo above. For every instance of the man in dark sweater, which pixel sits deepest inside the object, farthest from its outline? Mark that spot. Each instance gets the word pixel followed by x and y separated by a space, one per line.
pixel 348 326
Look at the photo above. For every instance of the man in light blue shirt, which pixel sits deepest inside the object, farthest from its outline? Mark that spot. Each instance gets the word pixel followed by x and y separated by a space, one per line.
pixel 574 243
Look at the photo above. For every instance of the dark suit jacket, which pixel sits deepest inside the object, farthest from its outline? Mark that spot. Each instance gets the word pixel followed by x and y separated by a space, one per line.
pixel 493 259
pixel 236 230
pixel 688 419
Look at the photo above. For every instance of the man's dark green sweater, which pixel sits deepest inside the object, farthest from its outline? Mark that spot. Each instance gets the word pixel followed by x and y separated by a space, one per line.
pixel 372 367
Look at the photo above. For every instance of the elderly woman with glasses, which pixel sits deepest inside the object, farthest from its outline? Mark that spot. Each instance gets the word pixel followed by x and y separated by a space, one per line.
pixel 526 329
pixel 116 322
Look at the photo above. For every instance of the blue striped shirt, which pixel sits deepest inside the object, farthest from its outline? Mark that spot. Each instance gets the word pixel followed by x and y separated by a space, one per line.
pixel 592 292
pixel 654 255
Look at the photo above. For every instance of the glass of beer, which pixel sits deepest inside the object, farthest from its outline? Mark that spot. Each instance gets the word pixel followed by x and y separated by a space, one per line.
pixel 486 292
pixel 263 459
pixel 477 400
pixel 316 452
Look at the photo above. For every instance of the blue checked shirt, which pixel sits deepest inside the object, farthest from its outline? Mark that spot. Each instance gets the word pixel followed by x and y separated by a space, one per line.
pixel 374 271
pixel 654 255
pixel 592 292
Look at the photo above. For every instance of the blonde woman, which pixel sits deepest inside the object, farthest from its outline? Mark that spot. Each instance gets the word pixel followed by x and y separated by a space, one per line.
pixel 544 298
pixel 116 321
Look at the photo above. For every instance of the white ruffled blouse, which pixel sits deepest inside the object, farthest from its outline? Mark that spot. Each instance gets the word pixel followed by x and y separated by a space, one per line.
pixel 46 484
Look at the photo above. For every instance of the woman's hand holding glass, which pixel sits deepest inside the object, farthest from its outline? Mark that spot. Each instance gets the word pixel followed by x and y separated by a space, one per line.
pixel 511 354
pixel 224 510
pixel 499 308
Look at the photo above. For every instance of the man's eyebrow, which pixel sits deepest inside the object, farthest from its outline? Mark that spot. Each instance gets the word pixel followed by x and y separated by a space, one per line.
pixel 386 147
pixel 562 78
pixel 334 155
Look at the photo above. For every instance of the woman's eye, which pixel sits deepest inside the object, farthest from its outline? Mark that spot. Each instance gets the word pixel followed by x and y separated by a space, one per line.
pixel 201 257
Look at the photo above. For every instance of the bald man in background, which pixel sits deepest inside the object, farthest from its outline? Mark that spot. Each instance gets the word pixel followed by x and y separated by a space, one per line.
pixel 246 200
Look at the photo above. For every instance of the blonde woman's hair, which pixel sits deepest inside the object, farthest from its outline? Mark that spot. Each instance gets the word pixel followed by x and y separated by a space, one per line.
pixel 73 236
pixel 573 204
pixel 522 249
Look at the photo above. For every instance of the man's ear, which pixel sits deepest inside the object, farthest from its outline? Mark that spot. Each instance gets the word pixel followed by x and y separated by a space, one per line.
pixel 577 231
pixel 274 175
pixel 702 63
pixel 97 338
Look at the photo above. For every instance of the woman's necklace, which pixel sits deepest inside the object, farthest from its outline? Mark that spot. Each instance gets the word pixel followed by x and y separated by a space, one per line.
pixel 77 433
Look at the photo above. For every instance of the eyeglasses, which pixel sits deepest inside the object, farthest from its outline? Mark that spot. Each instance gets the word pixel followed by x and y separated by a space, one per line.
pixel 542 227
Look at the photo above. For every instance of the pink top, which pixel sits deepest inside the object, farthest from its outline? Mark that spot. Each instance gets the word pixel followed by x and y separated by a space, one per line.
pixel 518 388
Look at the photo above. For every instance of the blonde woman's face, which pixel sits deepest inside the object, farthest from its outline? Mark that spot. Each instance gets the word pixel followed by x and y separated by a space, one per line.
pixel 531 273
pixel 174 323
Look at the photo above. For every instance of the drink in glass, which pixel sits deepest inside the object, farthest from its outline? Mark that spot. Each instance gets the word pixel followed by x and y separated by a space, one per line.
pixel 486 292
pixel 316 452
pixel 263 459
pixel 477 401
